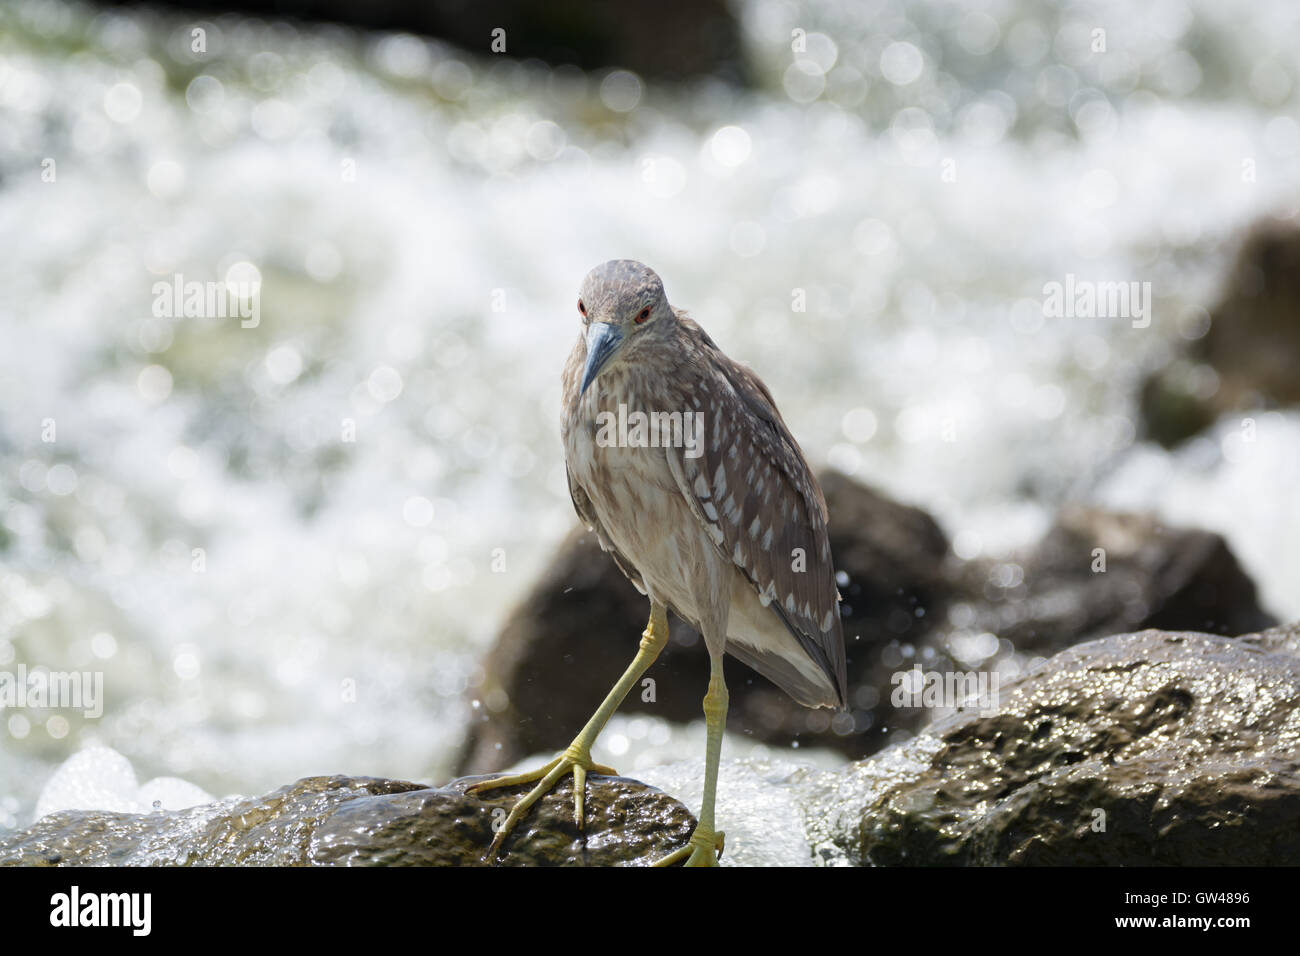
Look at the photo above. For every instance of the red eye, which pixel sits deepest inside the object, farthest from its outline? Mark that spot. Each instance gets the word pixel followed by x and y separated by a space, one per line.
pixel 582 308
pixel 643 315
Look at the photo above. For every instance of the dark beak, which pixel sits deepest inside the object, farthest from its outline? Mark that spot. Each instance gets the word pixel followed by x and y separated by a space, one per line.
pixel 603 341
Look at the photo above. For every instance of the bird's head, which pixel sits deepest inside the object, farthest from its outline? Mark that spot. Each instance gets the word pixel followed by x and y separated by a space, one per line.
pixel 624 310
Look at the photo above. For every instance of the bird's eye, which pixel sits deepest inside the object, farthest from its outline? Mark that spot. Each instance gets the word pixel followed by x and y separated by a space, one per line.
pixel 582 308
pixel 643 315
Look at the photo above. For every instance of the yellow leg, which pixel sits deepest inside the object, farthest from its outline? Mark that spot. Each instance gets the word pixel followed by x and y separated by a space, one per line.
pixel 706 843
pixel 576 758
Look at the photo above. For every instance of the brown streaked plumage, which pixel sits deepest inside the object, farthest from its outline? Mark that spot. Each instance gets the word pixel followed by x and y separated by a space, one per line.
pixel 750 496
pixel 726 524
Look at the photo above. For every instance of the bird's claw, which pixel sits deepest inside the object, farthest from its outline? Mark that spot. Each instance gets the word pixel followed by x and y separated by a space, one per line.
pixel 575 759
pixel 703 849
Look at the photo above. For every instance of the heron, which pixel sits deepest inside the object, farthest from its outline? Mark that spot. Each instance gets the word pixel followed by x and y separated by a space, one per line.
pixel 726 527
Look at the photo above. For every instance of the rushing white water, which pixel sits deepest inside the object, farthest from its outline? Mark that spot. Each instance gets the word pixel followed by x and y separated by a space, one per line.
pixel 266 599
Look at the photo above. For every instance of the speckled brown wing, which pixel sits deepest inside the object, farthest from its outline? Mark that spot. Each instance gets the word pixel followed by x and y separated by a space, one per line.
pixel 756 495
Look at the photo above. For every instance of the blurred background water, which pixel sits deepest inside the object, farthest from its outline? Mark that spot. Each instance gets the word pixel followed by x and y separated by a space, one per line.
pixel 268 599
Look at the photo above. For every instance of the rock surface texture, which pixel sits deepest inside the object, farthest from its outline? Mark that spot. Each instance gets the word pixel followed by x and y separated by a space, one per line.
pixel 1153 748
pixel 364 821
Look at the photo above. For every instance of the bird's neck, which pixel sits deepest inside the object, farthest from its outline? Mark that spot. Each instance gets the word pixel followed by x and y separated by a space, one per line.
pixel 622 390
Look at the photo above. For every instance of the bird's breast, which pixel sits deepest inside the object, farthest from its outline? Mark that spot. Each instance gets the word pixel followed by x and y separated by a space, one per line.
pixel 616 428
pixel 636 498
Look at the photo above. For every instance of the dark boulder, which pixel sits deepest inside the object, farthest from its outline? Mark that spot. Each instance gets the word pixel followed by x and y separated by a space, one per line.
pixel 1100 572
pixel 363 821
pixel 1254 337
pixel 1251 350
pixel 1153 748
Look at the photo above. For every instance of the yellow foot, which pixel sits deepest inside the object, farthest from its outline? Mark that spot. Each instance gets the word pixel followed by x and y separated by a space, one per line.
pixel 703 849
pixel 576 760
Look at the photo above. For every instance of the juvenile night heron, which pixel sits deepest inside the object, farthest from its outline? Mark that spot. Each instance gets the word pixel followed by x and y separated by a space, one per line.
pixel 726 527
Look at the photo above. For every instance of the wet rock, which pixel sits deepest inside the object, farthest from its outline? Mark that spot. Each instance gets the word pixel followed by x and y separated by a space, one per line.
pixel 565 646
pixel 1176 402
pixel 1248 357
pixel 1254 336
pixel 363 821
pixel 1098 572
pixel 1154 748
